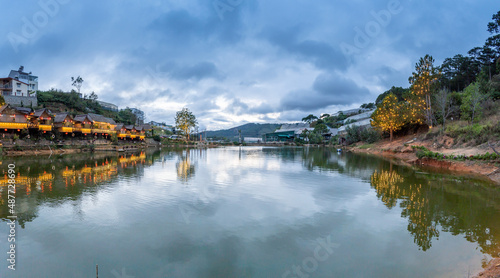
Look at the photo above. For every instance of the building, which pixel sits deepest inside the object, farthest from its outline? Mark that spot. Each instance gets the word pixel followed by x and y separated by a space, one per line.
pixel 252 139
pixel 162 126
pixel 361 120
pixel 26 77
pixel 101 124
pixel 12 118
pixel 82 124
pixel 287 132
pixel 63 122
pixel 351 112
pixel 139 114
pixel 20 88
pixel 12 87
pixel 108 106
pixel 41 119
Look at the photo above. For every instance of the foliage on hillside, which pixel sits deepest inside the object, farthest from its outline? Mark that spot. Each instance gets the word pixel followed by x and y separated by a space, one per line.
pixel 58 101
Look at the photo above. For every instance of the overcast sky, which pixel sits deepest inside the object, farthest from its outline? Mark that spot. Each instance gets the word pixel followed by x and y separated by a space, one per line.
pixel 236 61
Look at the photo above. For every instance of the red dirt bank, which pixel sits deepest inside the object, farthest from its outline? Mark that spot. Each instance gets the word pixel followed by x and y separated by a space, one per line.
pixel 397 149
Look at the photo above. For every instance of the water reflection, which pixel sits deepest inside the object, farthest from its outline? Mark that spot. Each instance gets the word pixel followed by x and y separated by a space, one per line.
pixel 429 201
pixel 185 169
pixel 54 179
pixel 256 212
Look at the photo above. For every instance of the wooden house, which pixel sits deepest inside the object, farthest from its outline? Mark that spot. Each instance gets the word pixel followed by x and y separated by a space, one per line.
pixel 63 122
pixel 102 125
pixel 131 131
pixel 121 132
pixel 83 124
pixel 12 118
pixel 41 119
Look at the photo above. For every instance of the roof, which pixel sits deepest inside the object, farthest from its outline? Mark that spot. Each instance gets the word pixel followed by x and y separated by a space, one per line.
pixel 129 127
pixel 20 110
pixel 332 131
pixel 101 118
pixel 59 118
pixel 365 122
pixel 23 110
pixel 39 113
pixel 81 118
pixel 10 78
pixel 351 112
pixel 119 127
pixel 361 116
pixel 147 127
pixel 20 72
pixel 139 128
pixel 3 107
pixel 293 127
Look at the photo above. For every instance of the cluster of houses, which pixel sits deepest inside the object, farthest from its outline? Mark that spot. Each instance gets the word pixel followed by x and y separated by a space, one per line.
pixel 21 120
pixel 289 132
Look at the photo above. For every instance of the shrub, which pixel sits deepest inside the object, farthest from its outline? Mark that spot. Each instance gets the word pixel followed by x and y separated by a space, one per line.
pixel 357 134
pixel 370 135
pixel 157 138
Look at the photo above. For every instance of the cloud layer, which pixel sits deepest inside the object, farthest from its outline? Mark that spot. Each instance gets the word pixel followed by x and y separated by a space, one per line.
pixel 239 61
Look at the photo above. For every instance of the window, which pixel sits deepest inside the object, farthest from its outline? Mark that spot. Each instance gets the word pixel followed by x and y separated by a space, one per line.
pixel 19 85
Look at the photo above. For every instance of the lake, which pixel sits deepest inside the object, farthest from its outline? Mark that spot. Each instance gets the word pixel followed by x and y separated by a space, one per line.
pixel 245 212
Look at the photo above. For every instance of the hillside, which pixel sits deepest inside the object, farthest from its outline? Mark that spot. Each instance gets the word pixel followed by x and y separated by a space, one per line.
pixel 58 101
pixel 247 130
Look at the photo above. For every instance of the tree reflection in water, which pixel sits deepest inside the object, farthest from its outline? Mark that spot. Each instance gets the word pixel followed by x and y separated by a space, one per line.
pixel 185 169
pixel 432 202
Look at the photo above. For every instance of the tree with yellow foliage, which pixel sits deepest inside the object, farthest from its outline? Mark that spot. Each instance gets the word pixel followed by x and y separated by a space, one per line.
pixel 422 86
pixel 390 115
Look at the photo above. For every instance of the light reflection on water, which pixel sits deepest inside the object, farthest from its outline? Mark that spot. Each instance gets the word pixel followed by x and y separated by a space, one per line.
pixel 246 212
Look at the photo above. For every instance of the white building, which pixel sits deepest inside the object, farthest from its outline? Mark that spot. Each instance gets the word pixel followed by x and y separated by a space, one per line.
pixel 13 87
pixel 108 106
pixel 26 77
pixel 361 120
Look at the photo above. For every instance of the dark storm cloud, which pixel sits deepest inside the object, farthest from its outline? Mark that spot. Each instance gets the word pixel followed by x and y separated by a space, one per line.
pixel 327 90
pixel 180 26
pixel 197 71
pixel 320 53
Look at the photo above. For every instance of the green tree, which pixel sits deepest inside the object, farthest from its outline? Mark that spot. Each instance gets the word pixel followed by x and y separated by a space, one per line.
pixel 399 92
pixel 185 120
pixel 77 82
pixel 390 115
pixel 471 103
pixel 309 119
pixel 93 96
pixel 2 100
pixel 423 81
pixel 370 105
pixel 321 128
pixel 458 72
pixel 127 117
pixel 494 26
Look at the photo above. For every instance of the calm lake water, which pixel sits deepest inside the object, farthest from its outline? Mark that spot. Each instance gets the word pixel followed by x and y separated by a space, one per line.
pixel 245 212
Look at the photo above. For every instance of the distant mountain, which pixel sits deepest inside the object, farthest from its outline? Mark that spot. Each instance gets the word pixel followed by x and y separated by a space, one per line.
pixel 247 130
